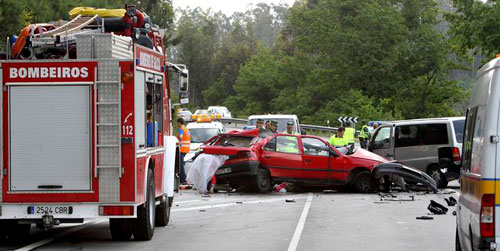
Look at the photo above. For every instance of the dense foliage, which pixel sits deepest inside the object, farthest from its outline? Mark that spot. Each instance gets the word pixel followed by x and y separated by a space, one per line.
pixel 373 59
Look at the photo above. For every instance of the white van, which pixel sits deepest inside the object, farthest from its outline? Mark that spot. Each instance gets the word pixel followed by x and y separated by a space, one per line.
pixel 478 211
pixel 280 118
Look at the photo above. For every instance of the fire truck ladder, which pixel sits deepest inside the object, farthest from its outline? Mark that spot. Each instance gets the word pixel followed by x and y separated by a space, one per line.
pixel 109 118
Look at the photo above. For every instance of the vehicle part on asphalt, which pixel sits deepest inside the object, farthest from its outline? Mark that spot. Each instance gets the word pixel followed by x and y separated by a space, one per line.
pixel 239 202
pixel 202 210
pixel 407 173
pixel 454 213
pixel 387 195
pixel 451 201
pixel 290 200
pixel 437 208
pixel 425 218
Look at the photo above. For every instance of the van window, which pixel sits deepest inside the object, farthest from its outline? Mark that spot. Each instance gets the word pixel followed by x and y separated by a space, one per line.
pixel 459 125
pixel 434 134
pixel 407 136
pixel 382 138
pixel 468 137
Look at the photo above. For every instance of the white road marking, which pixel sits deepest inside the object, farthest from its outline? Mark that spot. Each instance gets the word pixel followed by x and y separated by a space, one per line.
pixel 300 224
pixel 185 201
pixel 60 235
pixel 229 204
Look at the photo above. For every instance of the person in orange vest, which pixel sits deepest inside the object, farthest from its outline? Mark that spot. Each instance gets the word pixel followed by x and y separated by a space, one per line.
pixel 185 141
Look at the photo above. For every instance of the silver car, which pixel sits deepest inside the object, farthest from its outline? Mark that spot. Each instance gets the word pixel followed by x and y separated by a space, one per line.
pixel 415 142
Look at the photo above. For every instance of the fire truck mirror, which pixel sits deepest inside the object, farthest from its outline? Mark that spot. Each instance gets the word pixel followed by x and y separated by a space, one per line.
pixel 183 98
pixel 183 80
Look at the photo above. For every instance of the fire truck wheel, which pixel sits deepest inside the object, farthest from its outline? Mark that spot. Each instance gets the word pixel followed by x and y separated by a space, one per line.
pixel 120 229
pixel 143 226
pixel 364 182
pixel 262 181
pixel 163 213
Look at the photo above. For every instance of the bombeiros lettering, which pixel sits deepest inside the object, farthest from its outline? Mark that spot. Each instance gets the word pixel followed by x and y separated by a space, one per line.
pixel 49 72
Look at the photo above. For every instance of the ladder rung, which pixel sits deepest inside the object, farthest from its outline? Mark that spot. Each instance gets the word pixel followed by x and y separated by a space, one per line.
pixel 107 103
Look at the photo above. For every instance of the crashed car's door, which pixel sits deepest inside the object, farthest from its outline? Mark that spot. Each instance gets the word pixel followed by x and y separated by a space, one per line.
pixel 315 161
pixel 382 142
pixel 282 156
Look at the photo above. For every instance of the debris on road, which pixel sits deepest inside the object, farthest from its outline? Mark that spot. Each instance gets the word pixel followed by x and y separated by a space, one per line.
pixel 381 202
pixel 239 202
pixel 425 218
pixel 454 213
pixel 290 200
pixel 451 201
pixel 387 195
pixel 203 210
pixel 412 198
pixel 437 208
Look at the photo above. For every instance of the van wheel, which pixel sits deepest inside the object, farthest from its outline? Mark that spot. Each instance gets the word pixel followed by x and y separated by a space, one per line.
pixel 262 181
pixel 120 229
pixel 439 177
pixel 457 242
pixel 364 182
pixel 163 213
pixel 143 226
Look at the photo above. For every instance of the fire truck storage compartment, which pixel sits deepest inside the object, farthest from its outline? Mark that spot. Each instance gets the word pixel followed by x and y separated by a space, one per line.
pixel 50 138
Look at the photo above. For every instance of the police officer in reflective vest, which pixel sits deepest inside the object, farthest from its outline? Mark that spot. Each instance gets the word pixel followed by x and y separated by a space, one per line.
pixel 185 141
pixel 338 140
pixel 289 128
pixel 364 134
pixel 349 134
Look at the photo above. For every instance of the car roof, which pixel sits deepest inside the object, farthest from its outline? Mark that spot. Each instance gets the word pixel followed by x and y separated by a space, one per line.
pixel 213 124
pixel 273 116
pixel 425 120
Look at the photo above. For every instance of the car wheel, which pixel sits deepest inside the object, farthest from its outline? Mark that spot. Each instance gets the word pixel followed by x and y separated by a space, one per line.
pixel 458 247
pixel 439 177
pixel 364 182
pixel 144 225
pixel 262 181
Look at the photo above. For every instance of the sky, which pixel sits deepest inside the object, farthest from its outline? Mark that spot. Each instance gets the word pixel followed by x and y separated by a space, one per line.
pixel 228 7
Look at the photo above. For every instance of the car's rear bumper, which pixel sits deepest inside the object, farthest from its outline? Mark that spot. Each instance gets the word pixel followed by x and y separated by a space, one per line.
pixel 237 171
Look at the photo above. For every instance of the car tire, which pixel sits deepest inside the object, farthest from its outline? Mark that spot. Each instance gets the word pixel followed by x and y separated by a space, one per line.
pixel 120 229
pixel 458 247
pixel 262 181
pixel 144 225
pixel 163 213
pixel 364 182
pixel 439 177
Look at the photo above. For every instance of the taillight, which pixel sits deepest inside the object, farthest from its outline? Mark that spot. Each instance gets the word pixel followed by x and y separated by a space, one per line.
pixel 116 210
pixel 487 216
pixel 456 156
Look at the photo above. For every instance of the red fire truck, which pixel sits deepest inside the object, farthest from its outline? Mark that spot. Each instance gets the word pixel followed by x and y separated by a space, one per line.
pixel 87 128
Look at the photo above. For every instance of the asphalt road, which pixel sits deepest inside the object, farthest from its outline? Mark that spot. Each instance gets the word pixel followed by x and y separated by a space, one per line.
pixel 314 221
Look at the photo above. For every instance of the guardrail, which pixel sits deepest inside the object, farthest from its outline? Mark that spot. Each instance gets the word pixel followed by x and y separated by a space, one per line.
pixel 310 129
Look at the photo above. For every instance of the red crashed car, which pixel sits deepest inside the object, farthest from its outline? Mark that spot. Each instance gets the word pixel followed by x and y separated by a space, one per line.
pixel 261 159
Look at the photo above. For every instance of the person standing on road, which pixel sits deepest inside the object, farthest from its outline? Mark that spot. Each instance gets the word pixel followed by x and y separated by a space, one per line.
pixel 364 134
pixel 273 126
pixel 349 133
pixel 289 128
pixel 259 124
pixel 184 137
pixel 338 140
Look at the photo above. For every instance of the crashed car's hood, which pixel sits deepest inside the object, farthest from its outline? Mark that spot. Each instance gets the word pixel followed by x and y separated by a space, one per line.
pixel 407 173
pixel 364 154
